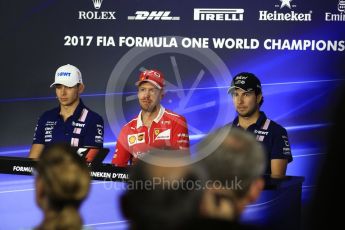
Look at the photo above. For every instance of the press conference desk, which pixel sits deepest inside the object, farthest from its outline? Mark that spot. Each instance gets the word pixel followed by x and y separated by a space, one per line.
pixel 25 166
pixel 278 207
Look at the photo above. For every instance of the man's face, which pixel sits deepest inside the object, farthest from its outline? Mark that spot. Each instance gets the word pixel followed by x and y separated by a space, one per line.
pixel 246 103
pixel 68 95
pixel 149 96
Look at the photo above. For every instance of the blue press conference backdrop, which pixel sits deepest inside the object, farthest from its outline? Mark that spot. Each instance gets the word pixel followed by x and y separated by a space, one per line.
pixel 296 48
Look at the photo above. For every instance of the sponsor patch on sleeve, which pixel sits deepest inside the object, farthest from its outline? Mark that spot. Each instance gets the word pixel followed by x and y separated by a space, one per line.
pixel 286 148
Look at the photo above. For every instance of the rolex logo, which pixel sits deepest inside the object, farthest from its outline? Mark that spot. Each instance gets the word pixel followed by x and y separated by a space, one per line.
pixel 96 15
pixel 97 3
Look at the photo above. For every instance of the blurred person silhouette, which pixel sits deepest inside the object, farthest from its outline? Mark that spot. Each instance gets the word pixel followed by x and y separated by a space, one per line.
pixel 62 184
pixel 187 197
pixel 328 193
pixel 235 167
pixel 157 196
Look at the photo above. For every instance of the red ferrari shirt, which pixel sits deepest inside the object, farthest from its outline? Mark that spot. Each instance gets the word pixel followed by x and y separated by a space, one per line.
pixel 168 131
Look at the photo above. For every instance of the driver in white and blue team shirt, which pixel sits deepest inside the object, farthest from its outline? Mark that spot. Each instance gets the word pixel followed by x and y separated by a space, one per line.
pixel 247 97
pixel 71 122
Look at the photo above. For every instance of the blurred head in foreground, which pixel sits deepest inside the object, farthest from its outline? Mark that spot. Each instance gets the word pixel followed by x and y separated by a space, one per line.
pixel 235 167
pixel 62 184
pixel 160 196
pixel 216 188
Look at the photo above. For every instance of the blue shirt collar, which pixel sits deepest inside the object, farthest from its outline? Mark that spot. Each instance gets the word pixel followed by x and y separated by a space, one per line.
pixel 76 113
pixel 259 123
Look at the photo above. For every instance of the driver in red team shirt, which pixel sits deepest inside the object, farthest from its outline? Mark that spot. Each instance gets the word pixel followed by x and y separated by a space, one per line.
pixel 154 127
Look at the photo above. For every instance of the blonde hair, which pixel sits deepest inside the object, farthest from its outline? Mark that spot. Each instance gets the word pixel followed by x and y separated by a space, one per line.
pixel 66 181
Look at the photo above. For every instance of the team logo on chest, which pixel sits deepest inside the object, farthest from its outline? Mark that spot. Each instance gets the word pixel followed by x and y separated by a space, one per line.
pixel 260 134
pixel 78 127
pixel 157 132
pixel 162 135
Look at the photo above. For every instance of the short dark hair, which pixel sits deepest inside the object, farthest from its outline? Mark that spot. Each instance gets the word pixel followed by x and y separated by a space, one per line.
pixel 262 99
pixel 235 154
pixel 160 206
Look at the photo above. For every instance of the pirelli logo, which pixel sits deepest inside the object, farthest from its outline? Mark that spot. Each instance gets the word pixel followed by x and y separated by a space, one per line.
pixel 207 14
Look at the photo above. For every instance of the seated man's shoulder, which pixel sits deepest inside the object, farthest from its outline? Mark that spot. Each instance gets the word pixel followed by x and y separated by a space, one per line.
pixel 91 115
pixel 276 128
pixel 172 114
pixel 95 115
pixel 131 124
